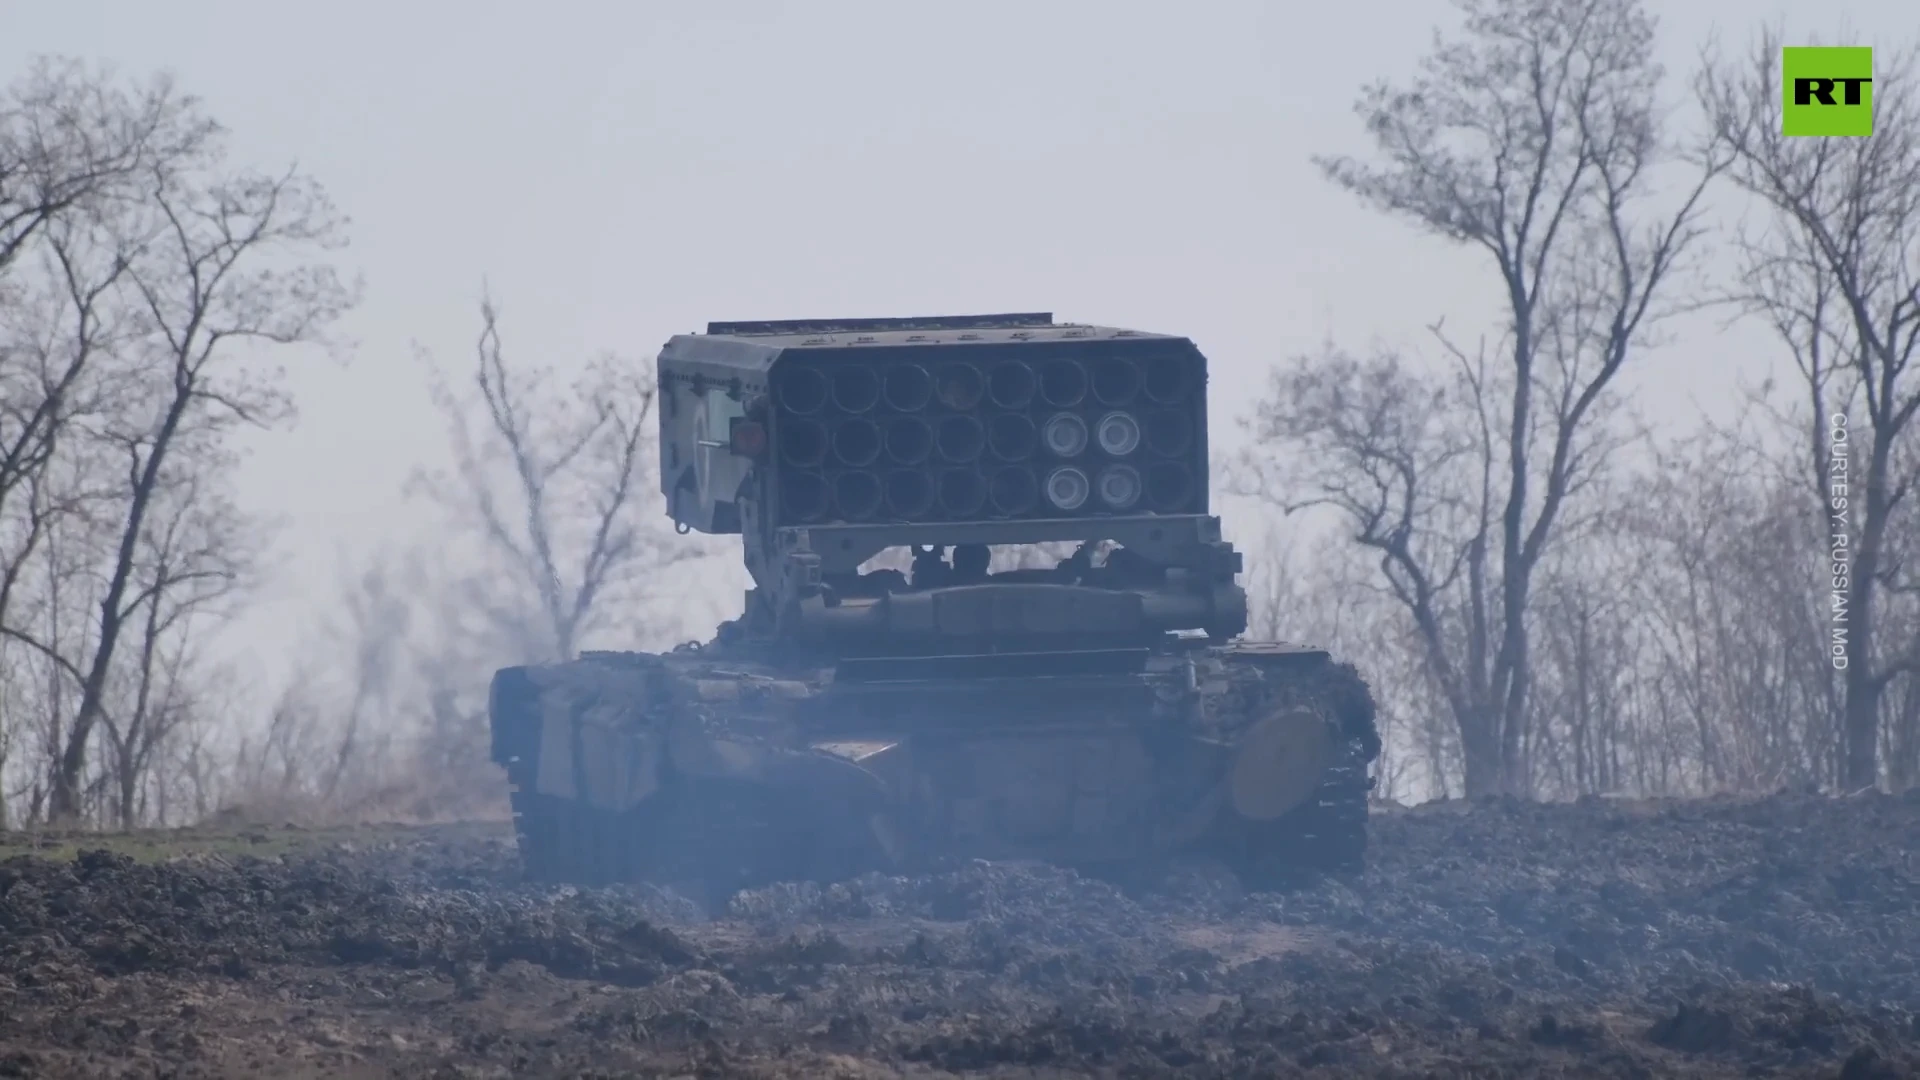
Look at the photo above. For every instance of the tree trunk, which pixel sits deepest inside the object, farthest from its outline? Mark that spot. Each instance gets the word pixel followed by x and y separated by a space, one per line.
pixel 1863 728
pixel 1864 683
pixel 1480 752
pixel 65 804
pixel 129 783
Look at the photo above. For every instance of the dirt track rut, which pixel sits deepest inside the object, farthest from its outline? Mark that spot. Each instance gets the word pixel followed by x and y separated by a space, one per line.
pixel 1775 937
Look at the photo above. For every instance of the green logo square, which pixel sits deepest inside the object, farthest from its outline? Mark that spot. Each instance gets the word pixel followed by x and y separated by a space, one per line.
pixel 1826 91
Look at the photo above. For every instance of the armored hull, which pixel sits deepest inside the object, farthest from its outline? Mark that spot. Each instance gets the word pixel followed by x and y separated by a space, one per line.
pixel 726 767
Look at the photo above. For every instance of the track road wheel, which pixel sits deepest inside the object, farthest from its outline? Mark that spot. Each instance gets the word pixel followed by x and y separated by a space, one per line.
pixel 1326 834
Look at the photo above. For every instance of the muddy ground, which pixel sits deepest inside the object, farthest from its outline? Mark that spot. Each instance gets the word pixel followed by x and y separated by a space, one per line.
pixel 1778 937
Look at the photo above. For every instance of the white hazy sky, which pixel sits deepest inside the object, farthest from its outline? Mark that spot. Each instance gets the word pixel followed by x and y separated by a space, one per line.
pixel 623 172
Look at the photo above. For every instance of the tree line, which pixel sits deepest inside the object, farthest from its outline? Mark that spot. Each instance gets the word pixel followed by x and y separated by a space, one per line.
pixel 1552 598
pixel 1560 601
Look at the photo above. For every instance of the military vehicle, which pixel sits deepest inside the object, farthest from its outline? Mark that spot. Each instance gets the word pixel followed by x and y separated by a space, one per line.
pixel 1099 712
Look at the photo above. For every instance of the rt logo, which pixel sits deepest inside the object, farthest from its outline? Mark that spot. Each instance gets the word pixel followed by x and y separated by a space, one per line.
pixel 1826 91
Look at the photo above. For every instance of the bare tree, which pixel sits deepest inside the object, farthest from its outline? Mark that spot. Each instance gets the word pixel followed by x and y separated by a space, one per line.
pixel 206 266
pixel 192 556
pixel 349 734
pixel 1535 140
pixel 550 536
pixel 381 620
pixel 553 534
pixel 69 135
pixel 80 154
pixel 1837 275
pixel 1681 645
pixel 76 148
pixel 277 767
pixel 555 486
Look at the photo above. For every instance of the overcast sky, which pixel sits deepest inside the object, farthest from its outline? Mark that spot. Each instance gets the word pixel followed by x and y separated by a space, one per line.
pixel 620 172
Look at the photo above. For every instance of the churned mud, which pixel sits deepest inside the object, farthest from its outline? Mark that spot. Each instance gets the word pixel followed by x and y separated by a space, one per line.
pixel 1778 937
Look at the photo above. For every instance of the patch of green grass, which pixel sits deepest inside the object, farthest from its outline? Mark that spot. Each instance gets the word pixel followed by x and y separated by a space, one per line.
pixel 259 841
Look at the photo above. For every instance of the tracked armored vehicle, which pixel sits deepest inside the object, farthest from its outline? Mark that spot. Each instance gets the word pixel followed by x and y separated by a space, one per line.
pixel 1098 711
